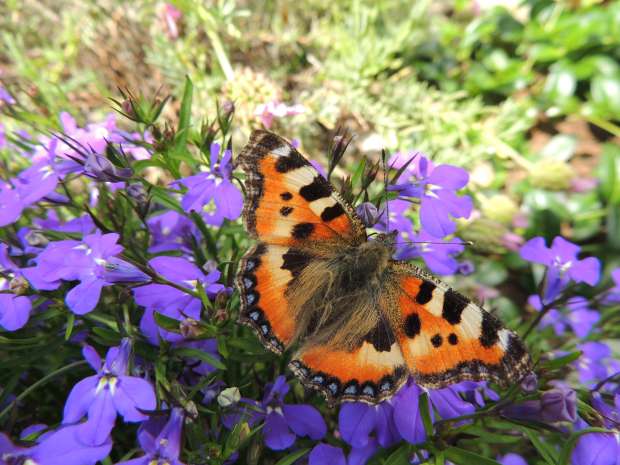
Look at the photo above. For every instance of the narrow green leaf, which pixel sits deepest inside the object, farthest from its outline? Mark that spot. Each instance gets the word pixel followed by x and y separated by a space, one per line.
pixel 545 450
pixel 465 457
pixel 167 323
pixel 292 458
pixel 185 115
pixel 199 354
pixel 70 325
pixel 399 456
pixel 561 361
pixel 425 412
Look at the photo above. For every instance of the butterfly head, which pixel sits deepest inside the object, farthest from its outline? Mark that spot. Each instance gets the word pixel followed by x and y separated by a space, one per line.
pixel 388 240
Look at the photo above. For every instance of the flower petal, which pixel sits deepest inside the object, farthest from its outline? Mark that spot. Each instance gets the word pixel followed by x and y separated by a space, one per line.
pixel 305 420
pixel 14 311
pixel 448 176
pixel 323 454
pixel 64 447
pixel 434 218
pixel 536 251
pixel 101 419
pixel 356 421
pixel 276 432
pixel 587 271
pixel 84 297
pixel 131 394
pixel 80 398
pixel 228 200
pixel 407 415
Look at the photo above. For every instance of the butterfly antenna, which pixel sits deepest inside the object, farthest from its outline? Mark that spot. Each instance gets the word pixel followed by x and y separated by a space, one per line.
pixel 466 243
pixel 385 191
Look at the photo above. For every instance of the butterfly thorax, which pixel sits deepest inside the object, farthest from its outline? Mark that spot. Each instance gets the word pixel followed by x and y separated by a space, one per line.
pixel 336 298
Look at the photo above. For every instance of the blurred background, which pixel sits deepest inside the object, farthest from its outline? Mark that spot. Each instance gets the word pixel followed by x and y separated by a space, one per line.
pixel 523 94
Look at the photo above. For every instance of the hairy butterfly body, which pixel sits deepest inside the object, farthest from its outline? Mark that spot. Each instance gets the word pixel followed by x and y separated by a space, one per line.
pixel 361 322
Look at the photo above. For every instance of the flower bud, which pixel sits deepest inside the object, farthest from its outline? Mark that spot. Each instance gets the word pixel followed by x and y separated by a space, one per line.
pixel 189 328
pixel 529 383
pixel 551 174
pixel 559 404
pixel 500 208
pixel 368 213
pixel 485 234
pixel 228 397
pixel 18 285
pixel 102 169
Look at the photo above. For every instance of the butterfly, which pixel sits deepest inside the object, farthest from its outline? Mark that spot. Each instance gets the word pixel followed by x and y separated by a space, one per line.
pixel 359 322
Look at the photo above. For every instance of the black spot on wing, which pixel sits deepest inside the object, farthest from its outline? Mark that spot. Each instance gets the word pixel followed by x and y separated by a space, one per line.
pixel 317 189
pixel 302 230
pixel 291 162
pixel 286 211
pixel 453 305
pixel 330 213
pixel 381 337
pixel 490 329
pixel 437 340
pixel 425 294
pixel 453 339
pixel 413 325
pixel 295 261
pixel 270 142
pixel 286 196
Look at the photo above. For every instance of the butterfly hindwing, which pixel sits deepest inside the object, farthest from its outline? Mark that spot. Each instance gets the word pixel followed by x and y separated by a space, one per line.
pixel 371 371
pixel 287 201
pixel 446 338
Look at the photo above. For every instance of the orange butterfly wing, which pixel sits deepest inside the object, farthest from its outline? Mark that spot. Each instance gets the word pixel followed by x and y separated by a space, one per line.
pixel 446 338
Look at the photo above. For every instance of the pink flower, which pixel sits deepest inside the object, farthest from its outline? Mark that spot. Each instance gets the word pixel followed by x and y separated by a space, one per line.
pixel 270 110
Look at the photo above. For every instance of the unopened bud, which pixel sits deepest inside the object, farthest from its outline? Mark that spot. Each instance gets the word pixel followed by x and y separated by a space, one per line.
pixel 229 396
pixel 368 213
pixel 189 328
pixel 552 174
pixel 18 285
pixel 500 208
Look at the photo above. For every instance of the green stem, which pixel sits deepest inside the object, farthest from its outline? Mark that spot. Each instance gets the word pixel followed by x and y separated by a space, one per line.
pixel 39 383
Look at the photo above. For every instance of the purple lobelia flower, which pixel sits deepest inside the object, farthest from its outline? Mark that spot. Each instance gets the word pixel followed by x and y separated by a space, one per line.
pixel 562 264
pixel 596 449
pixel 6 97
pixel 580 318
pixel 557 404
pixel 613 295
pixel 14 309
pixel 212 193
pixel 358 421
pixel 91 261
pixel 512 459
pixel 108 393
pixel 170 301
pixel 11 206
pixel 61 447
pixel 596 362
pixel 160 441
pixel 610 413
pixel 436 188
pixel 171 231
pixel 283 422
pixel 322 454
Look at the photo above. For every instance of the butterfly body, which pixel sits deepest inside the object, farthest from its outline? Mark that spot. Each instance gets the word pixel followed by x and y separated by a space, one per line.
pixel 361 323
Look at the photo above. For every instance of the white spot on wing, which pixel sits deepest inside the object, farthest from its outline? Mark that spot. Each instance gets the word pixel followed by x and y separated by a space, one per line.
pixel 504 338
pixel 471 322
pixel 321 204
pixel 435 305
pixel 282 151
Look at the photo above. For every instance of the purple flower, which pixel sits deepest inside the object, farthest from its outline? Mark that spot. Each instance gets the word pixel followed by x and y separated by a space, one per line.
pixel 613 295
pixel 14 309
pixel 108 393
pixel 171 231
pixel 170 301
pixel 512 459
pixel 3 143
pixel 368 214
pixel 212 193
pixel 562 264
pixel 283 422
pixel 10 204
pixel 557 404
pixel 357 421
pixel 323 454
pixel 610 414
pixel 6 97
pixel 596 449
pixel 438 256
pixel 274 109
pixel 596 362
pixel 91 261
pixel 580 317
pixel 160 441
pixel 436 188
pixel 61 447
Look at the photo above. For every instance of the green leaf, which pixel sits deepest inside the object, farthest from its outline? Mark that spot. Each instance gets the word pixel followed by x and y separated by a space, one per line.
pixel 425 412
pixel 465 457
pixel 185 115
pixel 167 323
pixel 201 355
pixel 70 325
pixel 569 445
pixel 560 85
pixel 292 458
pixel 609 173
pixel 399 456
pixel 560 147
pixel 560 361
pixel 546 451
pixel 606 96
